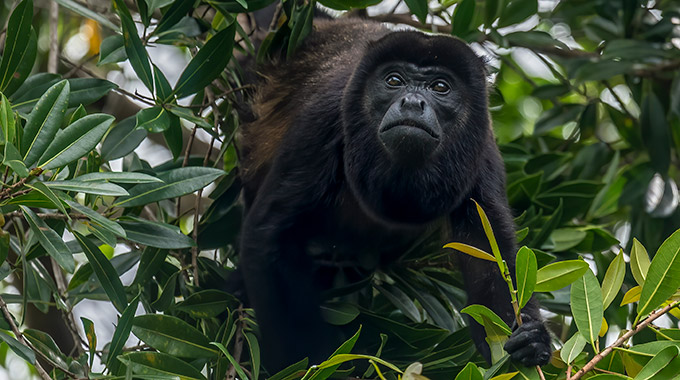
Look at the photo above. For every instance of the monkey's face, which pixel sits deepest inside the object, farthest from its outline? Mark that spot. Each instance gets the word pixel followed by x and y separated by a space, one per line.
pixel 412 106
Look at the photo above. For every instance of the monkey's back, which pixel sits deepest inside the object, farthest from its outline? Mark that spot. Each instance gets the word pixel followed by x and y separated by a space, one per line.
pixel 328 56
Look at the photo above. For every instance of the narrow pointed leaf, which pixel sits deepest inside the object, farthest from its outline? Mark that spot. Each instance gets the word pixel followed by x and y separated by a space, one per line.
pixel 149 264
pixel 613 279
pixel 155 234
pixel 153 120
pixel 98 188
pixel 472 251
pixel 177 182
pixel 16 42
pixel 112 50
pixel 572 348
pixel 663 277
pixel 639 262
pixel 160 365
pixel 49 194
pixel 525 273
pixel 557 275
pixel 479 311
pixel 48 238
pixel 207 64
pixel 657 368
pixel 75 141
pixel 91 335
pixel 44 344
pixel 122 139
pixel 207 303
pixel 7 120
pixel 18 348
pixel 177 11
pixel 104 271
pixel 88 90
pixel 96 217
pixel 121 334
pixel 139 59
pixel 586 306
pixel 44 122
pixel 25 98
pixel 173 336
pixel 118 177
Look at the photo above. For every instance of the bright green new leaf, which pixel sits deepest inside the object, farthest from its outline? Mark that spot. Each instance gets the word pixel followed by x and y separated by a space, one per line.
pixel 478 312
pixel 525 273
pixel 632 295
pixel 106 274
pixel 177 182
pixel 586 306
pixel 639 262
pixel 472 251
pixel 573 347
pixel 557 275
pixel 207 64
pixel 663 277
pixel 53 243
pixel 613 279
pixel 470 372
pixel 44 122
pixel 75 141
pixel 173 336
pixel 160 365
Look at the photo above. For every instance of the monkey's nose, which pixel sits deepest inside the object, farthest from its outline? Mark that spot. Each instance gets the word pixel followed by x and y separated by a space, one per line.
pixel 413 102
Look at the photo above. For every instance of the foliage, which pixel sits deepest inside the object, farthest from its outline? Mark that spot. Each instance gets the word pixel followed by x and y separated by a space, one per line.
pixel 586 108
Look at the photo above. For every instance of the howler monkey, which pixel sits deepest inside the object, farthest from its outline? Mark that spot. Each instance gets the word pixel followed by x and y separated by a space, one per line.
pixel 362 142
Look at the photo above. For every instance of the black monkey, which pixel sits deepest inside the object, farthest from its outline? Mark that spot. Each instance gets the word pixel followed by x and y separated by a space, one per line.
pixel 363 141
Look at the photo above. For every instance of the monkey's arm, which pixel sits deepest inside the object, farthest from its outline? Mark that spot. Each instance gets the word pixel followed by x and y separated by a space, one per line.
pixel 529 343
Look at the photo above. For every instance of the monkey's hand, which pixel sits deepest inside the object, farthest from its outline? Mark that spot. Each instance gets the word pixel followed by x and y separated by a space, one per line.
pixel 529 343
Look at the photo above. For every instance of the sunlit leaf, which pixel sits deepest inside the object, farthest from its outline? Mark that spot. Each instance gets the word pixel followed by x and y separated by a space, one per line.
pixel 586 306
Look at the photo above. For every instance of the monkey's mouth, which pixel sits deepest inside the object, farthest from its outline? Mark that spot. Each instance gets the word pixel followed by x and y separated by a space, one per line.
pixel 409 124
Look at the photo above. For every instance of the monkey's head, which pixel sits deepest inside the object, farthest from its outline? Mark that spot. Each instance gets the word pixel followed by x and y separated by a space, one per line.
pixel 416 122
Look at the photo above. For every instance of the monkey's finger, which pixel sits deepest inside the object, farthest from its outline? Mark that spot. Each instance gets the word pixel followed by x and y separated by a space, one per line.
pixel 532 354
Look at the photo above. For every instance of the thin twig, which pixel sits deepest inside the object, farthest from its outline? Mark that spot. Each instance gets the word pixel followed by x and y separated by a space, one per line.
pixel 43 215
pixel 642 325
pixel 20 337
pixel 6 192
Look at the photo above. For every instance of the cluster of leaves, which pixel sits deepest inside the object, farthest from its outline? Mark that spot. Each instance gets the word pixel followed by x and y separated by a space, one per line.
pixel 591 148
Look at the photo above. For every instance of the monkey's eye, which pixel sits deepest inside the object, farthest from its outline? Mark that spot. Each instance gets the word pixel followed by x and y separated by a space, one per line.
pixel 394 80
pixel 440 87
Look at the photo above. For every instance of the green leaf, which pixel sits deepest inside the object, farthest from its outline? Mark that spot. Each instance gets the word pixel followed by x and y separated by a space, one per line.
pixel 639 262
pixel 233 6
pixel 207 303
pixel 329 367
pixel 586 306
pixel 207 64
pixel 18 348
pixel 88 90
pixel 472 251
pixel 525 273
pixel 112 50
pixel 491 10
pixel 602 70
pixel 121 334
pixel 613 279
pixel 97 218
pixel 155 234
pixel 44 122
pixel 188 115
pixel 91 335
pixel 49 194
pixel 517 11
pixel 149 264
pixel 75 141
pixel 14 160
pixel 18 47
pixel 656 133
pixel 154 119
pixel 401 300
pixel 664 365
pixel 557 275
pixel 470 372
pixel 167 297
pixel 254 348
pixel 98 188
pixel 118 177
pixel 49 239
pixel 157 365
pixel 177 182
pixel 663 277
pixel 163 87
pixel 557 116
pixel 339 313
pixel 122 140
pixel 177 11
pixel 173 137
pixel 573 347
pixel 234 363
pixel 563 239
pixel 462 18
pixel 7 120
pixel 478 312
pixel 418 8
pixel 173 336
pixel 25 98
pixel 632 295
pixel 107 275
pixel 87 13
pixel 44 344
pixel 139 60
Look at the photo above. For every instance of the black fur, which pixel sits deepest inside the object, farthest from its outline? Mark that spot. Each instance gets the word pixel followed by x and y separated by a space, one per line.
pixel 321 175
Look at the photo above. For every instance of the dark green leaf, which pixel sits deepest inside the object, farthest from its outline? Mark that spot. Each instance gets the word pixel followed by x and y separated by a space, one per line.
pixel 18 348
pixel 50 240
pixel 44 343
pixel 207 303
pixel 155 234
pixel 95 217
pixel 173 137
pixel 173 336
pixel 75 141
pixel 154 119
pixel 339 313
pixel 112 50
pixel 121 334
pixel 98 188
pixel 150 263
pixel 163 87
pixel 25 98
pixel 556 117
pixel 462 18
pixel 233 6
pixel 88 90
pixel 418 8
pixel 655 133
pixel 117 177
pixel 122 140
pixel 17 44
pixel 207 64
pixel 44 122
pixel 158 365
pixel 177 182
pixel 133 46
pixel 177 11
pixel 517 11
pixel 104 271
